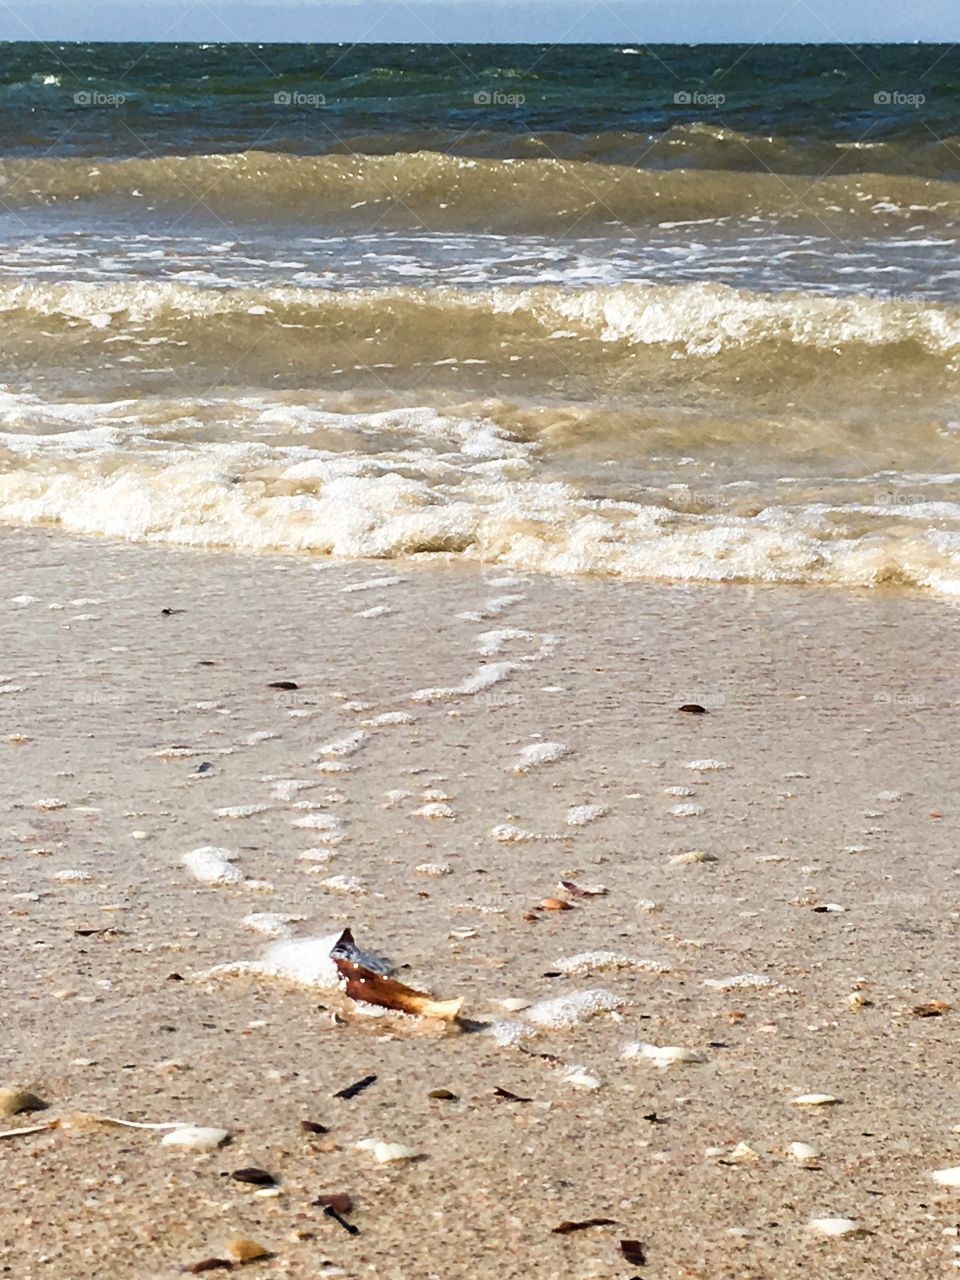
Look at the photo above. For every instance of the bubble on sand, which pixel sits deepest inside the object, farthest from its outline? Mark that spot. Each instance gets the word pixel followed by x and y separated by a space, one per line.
pixel 579 815
pixel 327 827
pixel 750 982
pixel 372 584
pixel 485 678
pixel 212 865
pixel 600 961
pixel 435 809
pixel 538 754
pixel 567 1011
pixel 348 745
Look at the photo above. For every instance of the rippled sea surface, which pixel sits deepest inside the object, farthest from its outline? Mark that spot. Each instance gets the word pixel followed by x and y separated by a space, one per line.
pixel 656 312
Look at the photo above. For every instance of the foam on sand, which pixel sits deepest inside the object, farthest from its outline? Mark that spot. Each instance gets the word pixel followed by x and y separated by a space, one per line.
pixel 568 1010
pixel 212 865
pixel 537 754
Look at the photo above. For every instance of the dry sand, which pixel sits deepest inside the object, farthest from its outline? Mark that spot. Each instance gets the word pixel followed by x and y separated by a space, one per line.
pixel 836 714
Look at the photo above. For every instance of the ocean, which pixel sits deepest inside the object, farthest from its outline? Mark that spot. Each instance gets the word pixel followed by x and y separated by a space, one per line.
pixel 669 312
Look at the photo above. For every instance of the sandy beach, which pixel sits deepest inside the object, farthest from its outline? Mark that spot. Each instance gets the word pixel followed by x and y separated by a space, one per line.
pixel 437 807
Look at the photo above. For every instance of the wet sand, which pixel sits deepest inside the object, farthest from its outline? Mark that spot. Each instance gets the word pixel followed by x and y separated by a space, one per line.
pixel 835 714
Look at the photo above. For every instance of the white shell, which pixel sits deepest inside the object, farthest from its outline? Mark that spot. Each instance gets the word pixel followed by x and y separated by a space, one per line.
pixel 743 1153
pixel 690 858
pixel 802 1152
pixel 387 1152
pixel 947 1177
pixel 815 1100
pixel 668 1055
pixel 834 1226
pixel 195 1137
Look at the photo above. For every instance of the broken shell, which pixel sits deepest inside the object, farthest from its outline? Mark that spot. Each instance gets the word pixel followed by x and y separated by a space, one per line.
pixel 243 1250
pixel 815 1100
pixel 690 858
pixel 196 1137
pixel 835 1226
pixel 388 1152
pixel 554 904
pixel 581 1078
pixel 669 1055
pixel 370 987
pixel 947 1177
pixel 802 1152
pixel 14 1102
pixel 743 1153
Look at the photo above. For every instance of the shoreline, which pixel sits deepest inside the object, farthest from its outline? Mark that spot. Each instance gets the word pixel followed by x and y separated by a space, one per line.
pixel 820 704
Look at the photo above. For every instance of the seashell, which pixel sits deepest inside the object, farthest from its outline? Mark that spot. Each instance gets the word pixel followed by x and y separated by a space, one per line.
pixel 743 1153
pixel 388 1152
pixel 685 810
pixel 369 987
pixel 433 869
pixel 857 1000
pixel 662 1056
pixel 567 1011
pixel 254 1177
pixel 931 1009
pixel 554 904
pixel 706 766
pixel 243 1250
pixel 195 1137
pixel 581 1078
pixel 14 1102
pixel 514 1004
pixel 647 904
pixel 72 876
pixel 815 1100
pixel 49 804
pixel 689 859
pixel 584 890
pixel 678 792
pixel 947 1177
pixel 802 1152
pixel 835 1226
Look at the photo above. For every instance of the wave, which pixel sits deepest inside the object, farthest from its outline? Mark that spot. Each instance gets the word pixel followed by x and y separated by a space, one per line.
pixel 443 485
pixel 699 144
pixel 441 191
pixel 647 340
